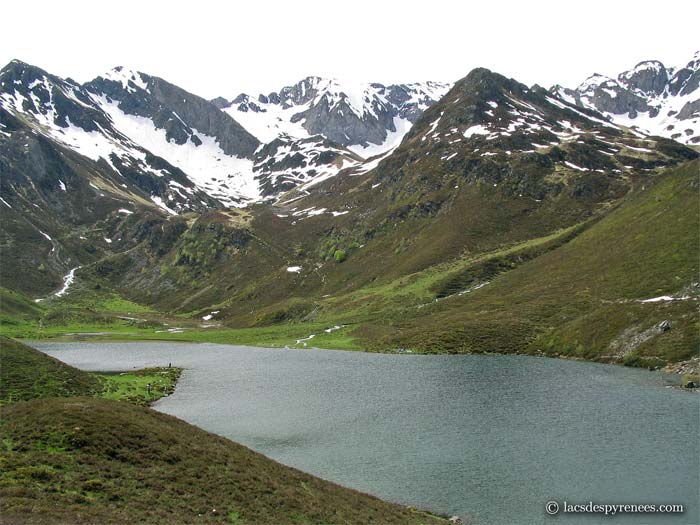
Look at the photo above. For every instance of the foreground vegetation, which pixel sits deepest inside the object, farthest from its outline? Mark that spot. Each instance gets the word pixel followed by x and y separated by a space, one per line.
pixel 87 459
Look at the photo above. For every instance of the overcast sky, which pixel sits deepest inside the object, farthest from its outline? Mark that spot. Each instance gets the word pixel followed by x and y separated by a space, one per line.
pixel 222 48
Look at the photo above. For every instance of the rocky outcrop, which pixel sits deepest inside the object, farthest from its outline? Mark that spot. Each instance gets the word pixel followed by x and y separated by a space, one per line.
pixel 287 163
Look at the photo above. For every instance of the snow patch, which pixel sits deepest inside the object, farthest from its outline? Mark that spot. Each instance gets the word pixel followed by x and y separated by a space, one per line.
pixel 477 129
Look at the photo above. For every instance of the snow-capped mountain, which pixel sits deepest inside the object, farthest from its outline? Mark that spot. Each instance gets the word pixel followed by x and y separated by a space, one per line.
pixel 135 122
pixel 37 104
pixel 189 132
pixel 488 116
pixel 650 97
pixel 369 119
pixel 143 136
pixel 490 148
pixel 318 127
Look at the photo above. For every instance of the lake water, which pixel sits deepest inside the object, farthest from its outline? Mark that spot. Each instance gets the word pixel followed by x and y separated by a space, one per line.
pixel 488 437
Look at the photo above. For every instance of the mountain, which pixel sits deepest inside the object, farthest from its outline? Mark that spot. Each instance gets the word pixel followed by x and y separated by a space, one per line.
pixel 68 175
pixel 209 146
pixel 526 143
pixel 129 121
pixel 78 160
pixel 493 164
pixel 367 118
pixel 317 127
pixel 650 97
pixel 59 115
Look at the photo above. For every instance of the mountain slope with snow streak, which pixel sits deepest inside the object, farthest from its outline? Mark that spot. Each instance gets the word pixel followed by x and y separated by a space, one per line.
pixel 189 132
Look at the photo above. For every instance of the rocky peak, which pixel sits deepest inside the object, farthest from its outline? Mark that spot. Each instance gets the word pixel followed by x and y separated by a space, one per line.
pixel 648 77
pixel 57 134
pixel 52 101
pixel 494 132
pixel 220 102
pixel 686 79
pixel 299 94
pixel 129 79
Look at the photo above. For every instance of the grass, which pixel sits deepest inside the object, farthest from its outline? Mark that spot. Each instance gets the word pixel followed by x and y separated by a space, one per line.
pixel 95 460
pixel 87 460
pixel 154 327
pixel 26 374
pixel 141 387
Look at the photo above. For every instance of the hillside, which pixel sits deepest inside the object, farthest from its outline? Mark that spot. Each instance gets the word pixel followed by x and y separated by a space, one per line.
pixel 89 460
pixel 446 192
pixel 489 180
pixel 83 460
pixel 27 374
pixel 625 289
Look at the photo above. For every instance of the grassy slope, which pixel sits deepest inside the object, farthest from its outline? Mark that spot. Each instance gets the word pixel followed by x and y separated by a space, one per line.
pixel 26 374
pixel 93 460
pixel 84 460
pixel 582 299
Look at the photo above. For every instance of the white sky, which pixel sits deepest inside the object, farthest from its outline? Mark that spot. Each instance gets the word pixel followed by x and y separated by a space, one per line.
pixel 222 48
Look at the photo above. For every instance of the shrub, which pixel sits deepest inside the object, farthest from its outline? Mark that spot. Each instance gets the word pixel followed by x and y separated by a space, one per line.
pixel 339 256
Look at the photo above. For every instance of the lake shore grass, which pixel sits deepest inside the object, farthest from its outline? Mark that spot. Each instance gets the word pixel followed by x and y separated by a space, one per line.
pixel 141 387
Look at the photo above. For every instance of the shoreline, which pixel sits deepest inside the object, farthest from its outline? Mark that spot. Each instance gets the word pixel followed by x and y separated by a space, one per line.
pixel 688 366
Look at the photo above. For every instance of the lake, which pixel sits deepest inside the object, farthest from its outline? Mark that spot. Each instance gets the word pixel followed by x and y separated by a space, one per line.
pixel 492 438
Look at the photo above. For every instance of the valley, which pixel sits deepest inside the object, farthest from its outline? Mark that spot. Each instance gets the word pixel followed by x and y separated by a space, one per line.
pixel 359 280
pixel 494 185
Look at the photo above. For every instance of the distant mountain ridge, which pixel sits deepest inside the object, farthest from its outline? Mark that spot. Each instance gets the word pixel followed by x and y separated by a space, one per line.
pixel 301 136
pixel 650 97
pixel 358 116
pixel 186 153
pixel 71 116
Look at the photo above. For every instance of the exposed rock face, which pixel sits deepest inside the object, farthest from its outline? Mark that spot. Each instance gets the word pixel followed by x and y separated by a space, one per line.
pixel 56 100
pixel 650 77
pixel 341 123
pixel 651 97
pixel 220 102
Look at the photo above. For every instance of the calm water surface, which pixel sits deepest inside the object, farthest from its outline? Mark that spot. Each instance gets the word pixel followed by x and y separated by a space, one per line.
pixel 487 437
